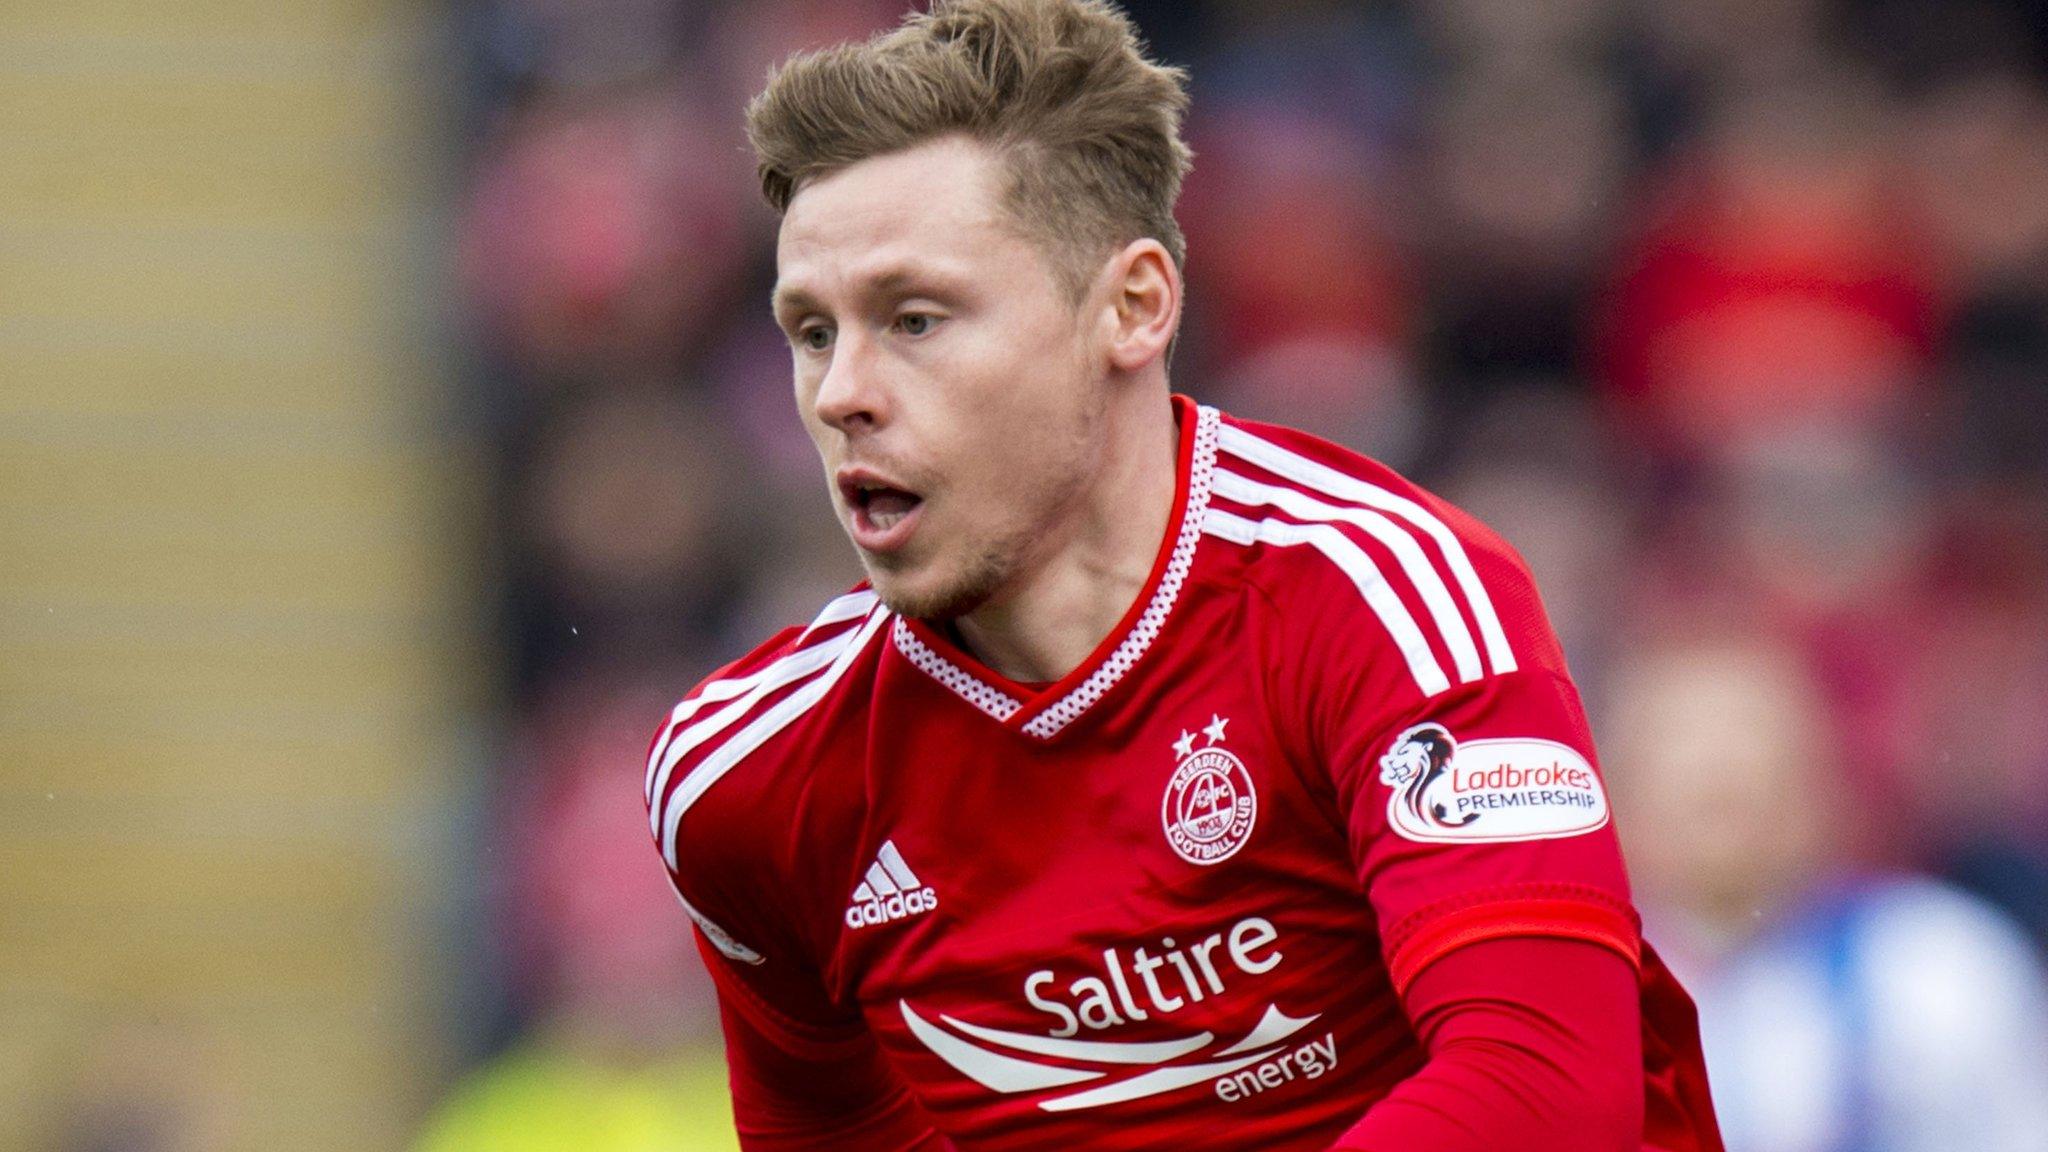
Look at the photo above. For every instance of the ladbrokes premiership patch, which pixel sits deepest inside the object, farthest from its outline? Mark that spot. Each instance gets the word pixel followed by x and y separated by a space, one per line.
pixel 1485 791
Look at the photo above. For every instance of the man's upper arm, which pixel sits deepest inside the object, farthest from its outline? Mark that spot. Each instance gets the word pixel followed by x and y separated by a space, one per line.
pixel 805 1071
pixel 1483 815
pixel 1534 1044
pixel 1478 824
pixel 1461 758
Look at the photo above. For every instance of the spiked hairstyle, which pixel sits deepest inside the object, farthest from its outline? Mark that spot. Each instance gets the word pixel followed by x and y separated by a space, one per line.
pixel 1061 90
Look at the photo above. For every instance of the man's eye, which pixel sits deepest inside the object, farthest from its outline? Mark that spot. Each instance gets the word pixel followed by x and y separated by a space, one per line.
pixel 817 338
pixel 915 323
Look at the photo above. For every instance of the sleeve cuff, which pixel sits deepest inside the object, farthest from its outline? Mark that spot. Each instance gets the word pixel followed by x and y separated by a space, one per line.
pixel 1424 937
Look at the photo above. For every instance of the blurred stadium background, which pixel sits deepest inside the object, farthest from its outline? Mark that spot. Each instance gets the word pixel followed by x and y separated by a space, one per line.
pixel 391 425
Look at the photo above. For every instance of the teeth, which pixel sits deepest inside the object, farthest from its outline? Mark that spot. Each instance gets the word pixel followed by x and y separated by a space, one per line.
pixel 887 520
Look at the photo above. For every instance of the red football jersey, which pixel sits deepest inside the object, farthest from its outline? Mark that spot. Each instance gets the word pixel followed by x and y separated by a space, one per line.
pixel 1173 899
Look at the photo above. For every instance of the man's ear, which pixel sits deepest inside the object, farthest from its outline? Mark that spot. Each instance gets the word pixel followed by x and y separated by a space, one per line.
pixel 1144 304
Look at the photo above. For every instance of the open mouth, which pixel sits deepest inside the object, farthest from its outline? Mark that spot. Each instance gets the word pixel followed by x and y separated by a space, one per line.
pixel 883 514
pixel 885 507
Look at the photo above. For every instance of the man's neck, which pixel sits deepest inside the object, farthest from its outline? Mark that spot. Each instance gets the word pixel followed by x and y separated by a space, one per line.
pixel 1048 625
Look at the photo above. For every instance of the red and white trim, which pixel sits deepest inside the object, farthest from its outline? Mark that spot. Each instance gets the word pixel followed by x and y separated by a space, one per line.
pixel 982 695
pixel 851 606
pixel 1418 569
pixel 1201 469
pixel 807 674
pixel 1047 715
pixel 1365 576
pixel 1316 500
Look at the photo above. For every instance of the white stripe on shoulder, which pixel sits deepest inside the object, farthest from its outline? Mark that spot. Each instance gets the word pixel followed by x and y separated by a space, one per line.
pixel 1342 551
pixel 1304 471
pixel 1419 570
pixel 740 697
pixel 775 719
pixel 851 606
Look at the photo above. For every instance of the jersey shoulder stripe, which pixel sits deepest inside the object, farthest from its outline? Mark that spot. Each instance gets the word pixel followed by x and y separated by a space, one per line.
pixel 1396 538
pixel 763 666
pixel 1365 575
pixel 1337 504
pixel 705 742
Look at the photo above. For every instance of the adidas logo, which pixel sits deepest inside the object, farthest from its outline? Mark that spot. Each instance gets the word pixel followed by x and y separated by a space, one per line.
pixel 891 892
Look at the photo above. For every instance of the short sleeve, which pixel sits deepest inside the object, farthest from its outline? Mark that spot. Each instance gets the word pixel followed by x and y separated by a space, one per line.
pixel 763 970
pixel 720 865
pixel 781 997
pixel 806 1072
pixel 1483 815
pixel 1474 804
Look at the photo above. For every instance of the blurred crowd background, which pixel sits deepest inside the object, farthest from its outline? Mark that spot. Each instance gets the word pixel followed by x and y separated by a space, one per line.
pixel 1731 315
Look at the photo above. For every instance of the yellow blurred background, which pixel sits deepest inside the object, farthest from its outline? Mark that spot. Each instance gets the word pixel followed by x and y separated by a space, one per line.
pixel 239 641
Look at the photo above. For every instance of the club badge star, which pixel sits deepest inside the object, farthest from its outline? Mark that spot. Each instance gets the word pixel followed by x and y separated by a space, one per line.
pixel 1185 746
pixel 1215 729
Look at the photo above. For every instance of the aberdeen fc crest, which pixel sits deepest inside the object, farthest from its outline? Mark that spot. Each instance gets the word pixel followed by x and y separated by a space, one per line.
pixel 1488 790
pixel 1210 804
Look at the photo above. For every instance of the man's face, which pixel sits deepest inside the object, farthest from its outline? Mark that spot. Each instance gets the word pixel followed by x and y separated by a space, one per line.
pixel 948 380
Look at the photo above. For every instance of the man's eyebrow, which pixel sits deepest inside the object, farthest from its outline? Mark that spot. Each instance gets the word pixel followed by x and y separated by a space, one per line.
pixel 900 278
pixel 784 300
pixel 885 280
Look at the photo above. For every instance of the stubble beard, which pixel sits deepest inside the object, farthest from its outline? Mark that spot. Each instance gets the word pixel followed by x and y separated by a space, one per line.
pixel 981 577
pixel 996 561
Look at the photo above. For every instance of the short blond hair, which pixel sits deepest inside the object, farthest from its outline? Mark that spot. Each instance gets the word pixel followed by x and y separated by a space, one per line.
pixel 1088 126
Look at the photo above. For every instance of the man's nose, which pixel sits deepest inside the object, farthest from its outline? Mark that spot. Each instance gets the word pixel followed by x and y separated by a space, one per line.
pixel 851 396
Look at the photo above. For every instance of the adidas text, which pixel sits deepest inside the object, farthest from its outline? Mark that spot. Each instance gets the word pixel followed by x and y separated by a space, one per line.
pixel 897 907
pixel 889 891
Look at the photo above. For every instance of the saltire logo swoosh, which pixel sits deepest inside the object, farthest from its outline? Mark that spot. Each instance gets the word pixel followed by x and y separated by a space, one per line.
pixel 1002 1072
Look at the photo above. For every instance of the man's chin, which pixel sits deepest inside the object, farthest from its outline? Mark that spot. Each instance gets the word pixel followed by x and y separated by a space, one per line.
pixel 923 595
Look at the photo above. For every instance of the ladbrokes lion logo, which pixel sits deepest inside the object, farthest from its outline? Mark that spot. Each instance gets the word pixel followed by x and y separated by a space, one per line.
pixel 1488 790
pixel 1419 758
